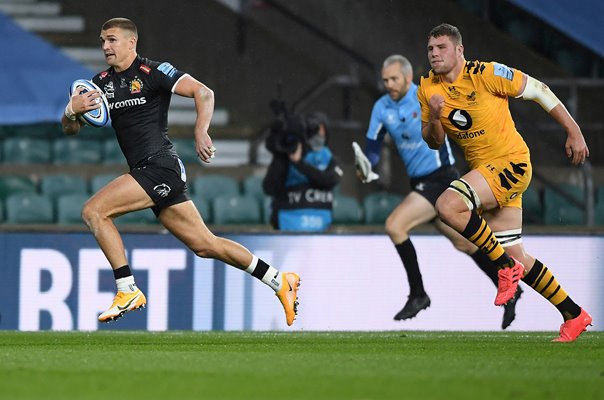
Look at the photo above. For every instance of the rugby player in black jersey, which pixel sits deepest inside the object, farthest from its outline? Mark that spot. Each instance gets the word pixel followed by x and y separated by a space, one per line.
pixel 138 92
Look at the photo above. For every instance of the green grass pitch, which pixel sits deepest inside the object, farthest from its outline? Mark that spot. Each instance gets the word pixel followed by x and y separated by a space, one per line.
pixel 299 365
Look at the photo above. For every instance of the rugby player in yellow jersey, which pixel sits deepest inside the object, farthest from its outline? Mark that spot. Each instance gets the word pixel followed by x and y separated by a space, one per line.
pixel 468 101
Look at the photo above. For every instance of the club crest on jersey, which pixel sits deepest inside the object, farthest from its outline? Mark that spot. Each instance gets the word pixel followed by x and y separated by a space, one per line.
pixel 136 85
pixel 162 190
pixel 109 90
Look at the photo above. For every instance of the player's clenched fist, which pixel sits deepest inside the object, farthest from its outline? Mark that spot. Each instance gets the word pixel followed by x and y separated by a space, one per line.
pixel 436 105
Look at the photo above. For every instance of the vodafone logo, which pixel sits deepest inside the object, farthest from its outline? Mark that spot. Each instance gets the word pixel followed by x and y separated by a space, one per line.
pixel 460 119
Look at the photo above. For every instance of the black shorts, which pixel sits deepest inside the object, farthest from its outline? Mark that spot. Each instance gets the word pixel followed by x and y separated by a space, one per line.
pixel 164 179
pixel 431 186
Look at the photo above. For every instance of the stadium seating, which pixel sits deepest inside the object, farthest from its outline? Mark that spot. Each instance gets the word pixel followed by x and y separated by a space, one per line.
pixel 24 150
pixel 573 61
pixel 599 213
pixel 252 186
pixel 145 216
pixel 600 195
pixel 69 208
pixel 524 31
pixel 186 150
pixel 346 210
pixel 73 151
pixel 112 153
pixel 11 184
pixel 37 131
pixel 564 215
pixel 90 133
pixel 212 186
pixel 59 184
pixel 559 210
pixel 532 209
pixel 236 209
pixel 29 208
pixel 204 208
pixel 379 205
pixel 98 181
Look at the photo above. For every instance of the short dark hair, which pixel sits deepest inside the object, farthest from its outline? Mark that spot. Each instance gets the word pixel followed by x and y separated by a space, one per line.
pixel 446 30
pixel 122 23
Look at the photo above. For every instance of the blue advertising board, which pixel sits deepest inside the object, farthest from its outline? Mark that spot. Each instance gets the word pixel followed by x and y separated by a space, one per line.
pixel 62 281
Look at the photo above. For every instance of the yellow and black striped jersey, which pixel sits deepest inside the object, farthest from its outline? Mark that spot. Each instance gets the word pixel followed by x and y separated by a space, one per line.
pixel 476 113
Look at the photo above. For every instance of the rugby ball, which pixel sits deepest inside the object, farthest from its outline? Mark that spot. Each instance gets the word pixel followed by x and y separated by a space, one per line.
pixel 99 116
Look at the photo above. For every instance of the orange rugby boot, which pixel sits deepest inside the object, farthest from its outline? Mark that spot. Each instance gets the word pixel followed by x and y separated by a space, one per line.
pixel 508 282
pixel 571 329
pixel 123 303
pixel 288 295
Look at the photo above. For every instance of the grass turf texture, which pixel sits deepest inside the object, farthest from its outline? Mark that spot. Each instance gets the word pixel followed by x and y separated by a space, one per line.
pixel 307 365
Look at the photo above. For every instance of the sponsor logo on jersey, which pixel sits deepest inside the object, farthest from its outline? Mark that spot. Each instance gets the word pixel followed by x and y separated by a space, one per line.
pixel 503 71
pixel 136 85
pixel 460 119
pixel 469 135
pixel 162 190
pixel 145 68
pixel 167 69
pixel 103 75
pixel 471 96
pixel 109 90
pixel 453 92
pixel 139 101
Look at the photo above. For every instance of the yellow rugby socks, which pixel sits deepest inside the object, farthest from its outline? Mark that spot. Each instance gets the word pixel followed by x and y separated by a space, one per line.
pixel 545 283
pixel 478 232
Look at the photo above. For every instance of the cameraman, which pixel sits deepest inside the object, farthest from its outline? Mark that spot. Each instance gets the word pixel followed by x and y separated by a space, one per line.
pixel 302 174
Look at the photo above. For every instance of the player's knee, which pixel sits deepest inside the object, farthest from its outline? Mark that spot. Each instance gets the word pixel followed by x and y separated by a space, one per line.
pixel 448 204
pixel 442 211
pixel 390 226
pixel 90 214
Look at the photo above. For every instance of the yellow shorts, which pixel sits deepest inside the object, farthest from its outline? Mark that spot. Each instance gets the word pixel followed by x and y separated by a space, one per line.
pixel 508 179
